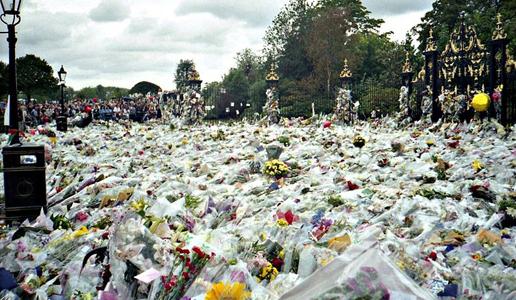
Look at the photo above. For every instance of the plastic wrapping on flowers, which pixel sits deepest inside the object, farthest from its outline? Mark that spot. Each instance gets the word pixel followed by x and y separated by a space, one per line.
pixel 202 212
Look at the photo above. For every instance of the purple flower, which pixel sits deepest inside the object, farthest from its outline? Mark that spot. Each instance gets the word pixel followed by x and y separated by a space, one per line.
pixel 326 222
pixel 316 219
pixel 210 206
pixel 189 222
pixel 237 276
pixel 352 284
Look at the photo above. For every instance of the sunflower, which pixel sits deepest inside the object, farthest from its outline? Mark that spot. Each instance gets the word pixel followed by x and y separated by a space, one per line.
pixel 228 291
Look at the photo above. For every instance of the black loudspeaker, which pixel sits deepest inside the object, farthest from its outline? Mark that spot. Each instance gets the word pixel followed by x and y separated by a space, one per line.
pixel 62 123
pixel 24 181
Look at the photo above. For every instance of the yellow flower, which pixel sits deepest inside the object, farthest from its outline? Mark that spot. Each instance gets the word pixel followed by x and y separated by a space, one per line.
pixel 401 265
pixel 430 142
pixel 282 223
pixel 138 205
pixel 228 291
pixel 263 236
pixel 78 233
pixel 268 272
pixel 477 165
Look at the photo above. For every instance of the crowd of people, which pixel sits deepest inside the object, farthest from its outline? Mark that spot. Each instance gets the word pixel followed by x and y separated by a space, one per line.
pixel 139 109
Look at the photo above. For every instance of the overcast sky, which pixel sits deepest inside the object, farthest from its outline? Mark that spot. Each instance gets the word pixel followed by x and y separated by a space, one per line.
pixel 122 42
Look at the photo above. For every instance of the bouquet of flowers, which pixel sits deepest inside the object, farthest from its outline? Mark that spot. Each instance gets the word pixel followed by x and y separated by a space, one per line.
pixel 276 168
pixel 185 269
pixel 358 141
pixel 365 285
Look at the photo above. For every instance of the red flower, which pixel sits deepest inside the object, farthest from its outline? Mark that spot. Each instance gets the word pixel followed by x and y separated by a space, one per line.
pixel 198 251
pixel 352 186
pixel 186 276
pixel 454 144
pixel 182 251
pixel 277 263
pixel 141 152
pixel 432 256
pixel 105 235
pixel 289 217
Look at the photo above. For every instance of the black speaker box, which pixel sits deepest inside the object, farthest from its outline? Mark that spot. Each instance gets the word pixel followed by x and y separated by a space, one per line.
pixel 24 181
pixel 62 123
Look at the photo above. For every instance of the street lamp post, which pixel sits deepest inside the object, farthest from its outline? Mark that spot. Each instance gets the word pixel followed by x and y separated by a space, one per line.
pixel 11 17
pixel 23 164
pixel 61 120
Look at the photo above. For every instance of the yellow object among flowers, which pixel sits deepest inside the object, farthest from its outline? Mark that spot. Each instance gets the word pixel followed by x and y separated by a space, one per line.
pixel 477 165
pixel 228 291
pixel 480 102
pixel 275 167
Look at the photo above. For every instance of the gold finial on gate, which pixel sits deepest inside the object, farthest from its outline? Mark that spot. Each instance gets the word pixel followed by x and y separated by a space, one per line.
pixel 407 67
pixel 499 33
pixel 345 73
pixel 272 76
pixel 430 41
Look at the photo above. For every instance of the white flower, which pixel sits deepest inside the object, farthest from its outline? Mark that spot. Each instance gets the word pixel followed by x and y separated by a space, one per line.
pixel 511 212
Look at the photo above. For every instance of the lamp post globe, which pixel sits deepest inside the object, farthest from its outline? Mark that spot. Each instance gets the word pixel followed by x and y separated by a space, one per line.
pixel 10 11
pixel 62 74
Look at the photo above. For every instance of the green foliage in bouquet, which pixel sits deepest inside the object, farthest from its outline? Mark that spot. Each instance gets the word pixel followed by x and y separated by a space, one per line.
pixel 192 202
pixel 285 140
pixel 61 222
pixel 335 200
pixel 103 223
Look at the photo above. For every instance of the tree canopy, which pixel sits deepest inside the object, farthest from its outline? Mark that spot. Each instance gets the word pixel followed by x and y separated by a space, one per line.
pixel 145 87
pixel 183 72
pixel 35 75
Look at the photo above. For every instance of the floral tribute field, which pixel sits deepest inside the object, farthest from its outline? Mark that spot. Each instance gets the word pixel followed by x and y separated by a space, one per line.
pixel 297 211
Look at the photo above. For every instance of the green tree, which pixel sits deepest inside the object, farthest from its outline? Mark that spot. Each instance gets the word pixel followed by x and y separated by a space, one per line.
pixel 145 87
pixel 237 85
pixel 100 91
pixel 35 75
pixel 183 72
pixel 289 22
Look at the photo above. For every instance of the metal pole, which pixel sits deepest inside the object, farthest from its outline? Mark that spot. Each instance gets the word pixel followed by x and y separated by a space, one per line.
pixel 13 91
pixel 62 100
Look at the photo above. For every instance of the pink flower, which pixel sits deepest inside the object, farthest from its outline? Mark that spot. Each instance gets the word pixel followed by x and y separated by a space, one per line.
pixel 81 216
pixel 288 216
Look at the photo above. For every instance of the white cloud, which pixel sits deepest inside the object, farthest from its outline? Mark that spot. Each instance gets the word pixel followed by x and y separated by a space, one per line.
pixel 110 11
pixel 396 7
pixel 255 13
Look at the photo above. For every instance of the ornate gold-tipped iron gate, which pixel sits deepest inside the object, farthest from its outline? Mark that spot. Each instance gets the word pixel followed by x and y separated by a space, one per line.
pixel 467 66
